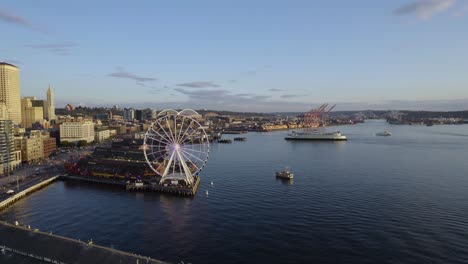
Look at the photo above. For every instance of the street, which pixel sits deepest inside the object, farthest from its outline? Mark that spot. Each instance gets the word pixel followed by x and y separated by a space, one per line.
pixel 29 175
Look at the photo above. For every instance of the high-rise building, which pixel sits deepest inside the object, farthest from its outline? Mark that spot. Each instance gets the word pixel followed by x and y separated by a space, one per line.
pixel 3 111
pixel 129 114
pixel 49 108
pixel 9 157
pixel 32 111
pixel 139 115
pixel 10 91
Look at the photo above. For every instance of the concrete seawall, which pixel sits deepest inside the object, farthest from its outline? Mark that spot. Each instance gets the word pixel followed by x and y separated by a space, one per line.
pixel 48 248
pixel 25 192
pixel 30 243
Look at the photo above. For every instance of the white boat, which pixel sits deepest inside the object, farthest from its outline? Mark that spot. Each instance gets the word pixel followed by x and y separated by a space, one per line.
pixel 384 133
pixel 315 135
pixel 285 174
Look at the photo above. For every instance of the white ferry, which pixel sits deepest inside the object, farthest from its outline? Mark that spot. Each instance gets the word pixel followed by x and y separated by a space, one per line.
pixel 315 135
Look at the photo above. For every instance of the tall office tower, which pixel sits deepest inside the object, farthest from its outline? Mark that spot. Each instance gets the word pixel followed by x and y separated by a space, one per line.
pixel 3 111
pixel 50 105
pixel 7 147
pixel 32 111
pixel 10 91
pixel 129 114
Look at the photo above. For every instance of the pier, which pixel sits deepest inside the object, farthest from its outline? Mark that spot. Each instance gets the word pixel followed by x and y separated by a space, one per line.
pixel 12 199
pixel 225 141
pixel 41 247
pixel 146 187
pixel 177 190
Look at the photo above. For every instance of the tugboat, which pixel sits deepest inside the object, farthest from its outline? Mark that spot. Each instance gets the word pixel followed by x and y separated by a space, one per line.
pixel 284 174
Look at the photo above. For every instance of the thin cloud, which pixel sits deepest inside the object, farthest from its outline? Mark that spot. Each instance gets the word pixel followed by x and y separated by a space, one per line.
pixel 275 90
pixel 62 49
pixel 154 91
pixel 63 45
pixel 245 94
pixel 14 19
pixel 199 85
pixel 261 97
pixel 291 95
pixel 462 12
pixel 424 9
pixel 122 73
pixel 221 95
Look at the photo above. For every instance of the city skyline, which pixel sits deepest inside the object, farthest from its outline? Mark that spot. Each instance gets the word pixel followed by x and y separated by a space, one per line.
pixel 260 57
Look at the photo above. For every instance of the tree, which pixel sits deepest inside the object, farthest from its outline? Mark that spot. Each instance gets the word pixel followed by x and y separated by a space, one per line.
pixel 82 143
pixel 66 144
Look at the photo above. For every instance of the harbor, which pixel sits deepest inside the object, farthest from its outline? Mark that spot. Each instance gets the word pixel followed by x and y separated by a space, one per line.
pixel 66 250
pixel 318 204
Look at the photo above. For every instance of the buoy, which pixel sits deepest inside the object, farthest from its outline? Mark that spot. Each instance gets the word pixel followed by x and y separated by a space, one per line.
pixel 207 192
pixel 211 183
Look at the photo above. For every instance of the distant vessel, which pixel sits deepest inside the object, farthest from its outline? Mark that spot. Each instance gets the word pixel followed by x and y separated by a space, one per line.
pixel 315 135
pixel 384 133
pixel 284 174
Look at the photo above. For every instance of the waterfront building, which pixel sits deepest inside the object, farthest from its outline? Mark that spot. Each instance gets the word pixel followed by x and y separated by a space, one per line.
pixel 50 105
pixel 129 114
pixel 31 146
pixel 9 157
pixel 101 135
pixel 10 91
pixel 49 144
pixel 32 111
pixel 76 131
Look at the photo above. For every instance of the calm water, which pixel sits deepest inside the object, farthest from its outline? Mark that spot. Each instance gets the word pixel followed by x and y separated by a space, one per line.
pixel 398 199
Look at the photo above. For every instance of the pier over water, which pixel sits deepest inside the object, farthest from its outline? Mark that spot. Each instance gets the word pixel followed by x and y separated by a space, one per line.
pixel 18 242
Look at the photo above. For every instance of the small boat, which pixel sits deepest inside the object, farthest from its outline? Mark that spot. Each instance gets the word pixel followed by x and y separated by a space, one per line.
pixel 384 133
pixel 284 174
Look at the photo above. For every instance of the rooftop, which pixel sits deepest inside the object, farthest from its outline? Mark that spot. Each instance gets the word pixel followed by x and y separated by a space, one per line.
pixel 8 64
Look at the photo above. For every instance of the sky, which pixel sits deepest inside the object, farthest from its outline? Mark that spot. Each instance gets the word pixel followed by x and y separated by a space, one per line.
pixel 243 55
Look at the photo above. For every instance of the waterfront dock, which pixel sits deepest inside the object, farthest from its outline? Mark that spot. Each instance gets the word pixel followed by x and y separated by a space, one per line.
pixel 146 187
pixel 225 141
pixel 93 179
pixel 42 247
pixel 177 190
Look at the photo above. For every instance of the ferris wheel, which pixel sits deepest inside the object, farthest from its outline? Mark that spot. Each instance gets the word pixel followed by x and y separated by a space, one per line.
pixel 176 147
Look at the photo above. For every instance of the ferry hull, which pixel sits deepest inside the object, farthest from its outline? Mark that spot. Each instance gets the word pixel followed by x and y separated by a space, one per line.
pixel 317 139
pixel 336 136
